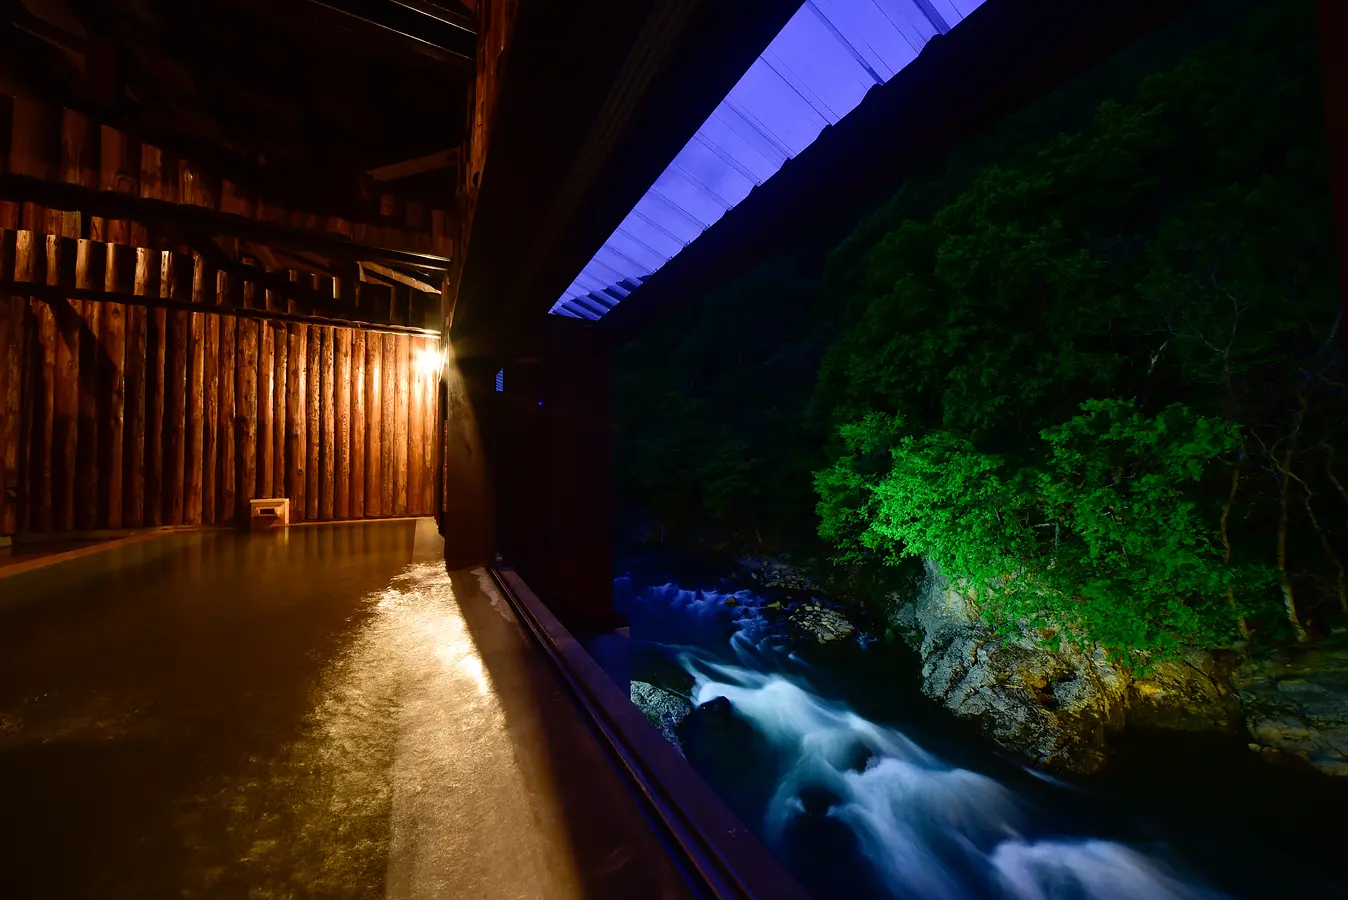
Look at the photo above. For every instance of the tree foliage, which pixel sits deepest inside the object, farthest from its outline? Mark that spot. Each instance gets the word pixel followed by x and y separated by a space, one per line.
pixel 1042 385
pixel 1087 363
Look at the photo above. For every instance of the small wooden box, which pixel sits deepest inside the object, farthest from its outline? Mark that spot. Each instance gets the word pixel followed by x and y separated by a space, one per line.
pixel 269 513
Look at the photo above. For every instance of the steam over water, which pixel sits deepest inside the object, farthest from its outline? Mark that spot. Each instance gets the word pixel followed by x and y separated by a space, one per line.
pixel 856 807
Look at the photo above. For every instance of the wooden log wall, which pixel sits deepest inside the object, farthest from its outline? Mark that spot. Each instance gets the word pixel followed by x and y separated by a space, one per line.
pixel 63 145
pixel 118 416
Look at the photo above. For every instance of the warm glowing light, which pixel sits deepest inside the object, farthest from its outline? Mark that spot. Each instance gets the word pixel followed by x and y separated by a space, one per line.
pixel 430 361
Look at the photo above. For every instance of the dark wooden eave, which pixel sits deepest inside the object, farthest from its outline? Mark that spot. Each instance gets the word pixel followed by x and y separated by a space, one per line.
pixel 999 59
pixel 578 137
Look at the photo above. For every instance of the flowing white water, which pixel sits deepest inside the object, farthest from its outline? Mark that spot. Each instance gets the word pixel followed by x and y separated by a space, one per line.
pixel 928 828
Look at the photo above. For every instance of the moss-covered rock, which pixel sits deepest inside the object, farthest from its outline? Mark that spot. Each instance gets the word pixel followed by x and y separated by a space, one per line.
pixel 1061 708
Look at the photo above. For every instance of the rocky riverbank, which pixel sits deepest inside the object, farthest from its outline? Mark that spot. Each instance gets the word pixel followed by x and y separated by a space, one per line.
pixel 1062 709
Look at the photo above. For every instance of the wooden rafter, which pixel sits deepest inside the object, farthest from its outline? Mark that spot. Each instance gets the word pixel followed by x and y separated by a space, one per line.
pixel 395 275
pixel 431 162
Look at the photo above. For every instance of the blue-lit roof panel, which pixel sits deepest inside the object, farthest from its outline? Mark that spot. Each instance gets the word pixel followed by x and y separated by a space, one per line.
pixel 816 70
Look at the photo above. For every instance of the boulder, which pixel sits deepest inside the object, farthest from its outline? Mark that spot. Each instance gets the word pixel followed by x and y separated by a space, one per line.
pixel 819 623
pixel 665 709
pixel 778 574
pixel 1296 704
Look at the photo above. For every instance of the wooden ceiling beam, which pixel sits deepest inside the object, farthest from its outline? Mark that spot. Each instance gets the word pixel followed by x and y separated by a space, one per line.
pixel 399 277
pixel 429 36
pixel 460 18
pixel 113 205
pixel 431 162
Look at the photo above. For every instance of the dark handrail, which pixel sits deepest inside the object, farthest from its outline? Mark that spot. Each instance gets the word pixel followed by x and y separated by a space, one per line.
pixel 720 856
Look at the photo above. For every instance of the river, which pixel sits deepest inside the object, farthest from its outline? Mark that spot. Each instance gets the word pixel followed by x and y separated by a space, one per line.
pixel 866 790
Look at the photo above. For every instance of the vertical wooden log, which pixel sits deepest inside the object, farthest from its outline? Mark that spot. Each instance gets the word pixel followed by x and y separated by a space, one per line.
pixel 327 452
pixel 431 435
pixel 265 401
pixel 195 462
pixel 138 360
pixel 280 353
pixel 119 170
pixel 387 426
pixel 69 321
pixel 154 404
pixel 112 382
pixel 196 187
pixel 341 508
pixel 153 183
pixel 77 162
pixel 416 426
pixel 77 167
pixel 245 417
pixel 88 476
pixel 210 418
pixel 357 424
pixel 226 478
pixel 374 421
pixel 43 381
pixel 401 405
pixel 175 398
pixel 312 404
pixel 12 356
pixel 297 419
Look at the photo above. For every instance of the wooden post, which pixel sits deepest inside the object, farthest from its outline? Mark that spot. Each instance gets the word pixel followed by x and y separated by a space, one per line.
pixel 119 170
pixel 327 452
pixel 416 428
pixel 12 356
pixel 154 410
pixel 113 385
pixel 342 449
pixel 77 162
pixel 387 426
pixel 226 478
pixel 65 437
pixel 88 477
pixel 312 403
pixel 245 417
pixel 374 423
pixel 470 531
pixel 175 402
pixel 137 367
pixel 43 381
pixel 210 415
pixel 89 275
pixel 196 437
pixel 297 419
pixel 401 407
pixel 152 187
pixel 357 424
pixel 77 167
pixel 265 400
pixel 431 437
pixel 280 354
